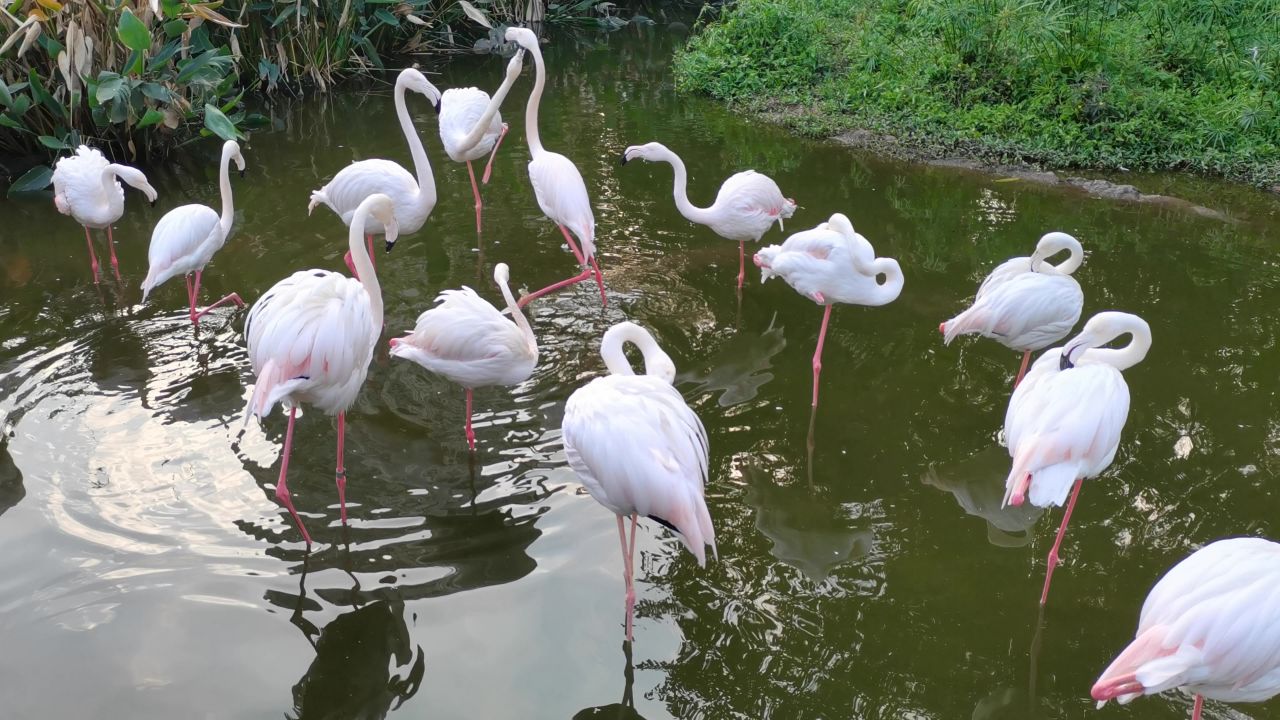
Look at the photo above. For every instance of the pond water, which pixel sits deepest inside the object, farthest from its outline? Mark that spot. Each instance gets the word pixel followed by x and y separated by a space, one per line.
pixel 150 573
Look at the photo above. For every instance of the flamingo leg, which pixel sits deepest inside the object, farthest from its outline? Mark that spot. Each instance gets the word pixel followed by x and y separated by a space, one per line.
pixel 282 488
pixel 191 294
pixel 368 238
pixel 93 259
pixel 604 300
pixel 1057 543
pixel 1199 708
pixel 628 567
pixel 471 436
pixel 553 287
pixel 195 295
pixel 232 298
pixel 111 246
pixel 1022 371
pixel 488 168
pixel 742 262
pixel 817 354
pixel 572 245
pixel 340 471
pixel 476 192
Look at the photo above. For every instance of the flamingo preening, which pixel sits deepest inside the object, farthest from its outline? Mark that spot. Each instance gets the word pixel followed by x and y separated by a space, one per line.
pixel 85 186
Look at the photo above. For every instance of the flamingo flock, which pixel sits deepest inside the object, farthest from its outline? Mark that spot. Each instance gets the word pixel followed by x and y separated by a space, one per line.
pixel 1210 626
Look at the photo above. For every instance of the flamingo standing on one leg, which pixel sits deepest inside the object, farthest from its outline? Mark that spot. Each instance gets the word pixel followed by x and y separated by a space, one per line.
pixel 1064 420
pixel 471 127
pixel 557 184
pixel 639 449
pixel 311 337
pixel 831 264
pixel 1211 626
pixel 468 341
pixel 85 187
pixel 414 199
pixel 747 205
pixel 186 238
pixel 1026 304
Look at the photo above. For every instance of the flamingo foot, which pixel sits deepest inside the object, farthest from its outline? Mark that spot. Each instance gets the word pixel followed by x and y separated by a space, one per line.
pixel 604 300
pixel 1057 543
pixel 553 287
pixel 232 298
pixel 282 487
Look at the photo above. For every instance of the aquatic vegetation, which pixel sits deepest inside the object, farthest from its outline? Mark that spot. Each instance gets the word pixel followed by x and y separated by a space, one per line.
pixel 1144 84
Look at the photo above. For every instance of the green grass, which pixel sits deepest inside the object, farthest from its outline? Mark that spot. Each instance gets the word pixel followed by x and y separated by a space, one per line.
pixel 1136 84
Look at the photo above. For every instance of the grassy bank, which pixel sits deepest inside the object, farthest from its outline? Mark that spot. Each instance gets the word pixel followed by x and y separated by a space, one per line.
pixel 1117 84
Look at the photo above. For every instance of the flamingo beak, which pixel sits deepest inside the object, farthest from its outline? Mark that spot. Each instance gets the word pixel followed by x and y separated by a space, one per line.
pixel 1065 362
pixel 390 244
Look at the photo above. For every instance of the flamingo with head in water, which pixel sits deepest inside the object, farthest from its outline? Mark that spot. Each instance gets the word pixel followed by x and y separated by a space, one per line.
pixel 471 126
pixel 186 238
pixel 1064 420
pixel 468 341
pixel 311 337
pixel 85 186
pixel 1027 303
pixel 1211 626
pixel 831 264
pixel 557 184
pixel 639 449
pixel 747 205
pixel 413 198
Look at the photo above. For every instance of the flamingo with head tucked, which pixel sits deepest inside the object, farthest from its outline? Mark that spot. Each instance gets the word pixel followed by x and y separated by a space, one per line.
pixel 311 337
pixel 832 264
pixel 468 341
pixel 557 184
pixel 85 186
pixel 639 449
pixel 471 126
pixel 413 198
pixel 1026 304
pixel 1064 420
pixel 1211 626
pixel 186 238
pixel 748 204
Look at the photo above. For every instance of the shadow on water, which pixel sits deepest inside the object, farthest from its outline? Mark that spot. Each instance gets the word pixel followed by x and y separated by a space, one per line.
pixel 11 490
pixel 624 710
pixel 977 482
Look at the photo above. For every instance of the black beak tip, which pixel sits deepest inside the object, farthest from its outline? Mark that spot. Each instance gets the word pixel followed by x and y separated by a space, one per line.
pixel 1064 362
pixel 241 173
pixel 622 160
pixel 153 203
pixel 390 245
pixel 437 106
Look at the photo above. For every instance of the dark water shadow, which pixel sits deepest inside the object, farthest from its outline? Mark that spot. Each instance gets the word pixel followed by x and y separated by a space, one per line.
pixel 11 488
pixel 740 367
pixel 624 710
pixel 977 482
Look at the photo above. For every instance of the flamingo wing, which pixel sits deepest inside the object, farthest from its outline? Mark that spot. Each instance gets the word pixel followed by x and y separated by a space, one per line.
pixel 176 242
pixel 562 195
pixel 1004 272
pixel 77 183
pixel 1028 311
pixel 357 181
pixel 754 197
pixel 460 110
pixel 468 341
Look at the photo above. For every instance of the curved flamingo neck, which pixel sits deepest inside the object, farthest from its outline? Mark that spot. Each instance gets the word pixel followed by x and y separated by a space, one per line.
pixel 889 290
pixel 535 100
pixel 680 189
pixel 224 185
pixel 421 165
pixel 112 199
pixel 611 349
pixel 364 270
pixel 1129 355
pixel 474 137
pixel 1056 242
pixel 521 321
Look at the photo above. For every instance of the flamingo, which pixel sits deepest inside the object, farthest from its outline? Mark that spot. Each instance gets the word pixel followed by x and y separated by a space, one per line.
pixel 414 199
pixel 471 127
pixel 468 341
pixel 85 186
pixel 1210 626
pixel 557 184
pixel 831 264
pixel 311 337
pixel 1064 420
pixel 639 449
pixel 186 238
pixel 747 205
pixel 1026 304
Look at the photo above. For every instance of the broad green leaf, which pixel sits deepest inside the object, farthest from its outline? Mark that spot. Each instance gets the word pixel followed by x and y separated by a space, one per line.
pixel 53 143
pixel 34 180
pixel 5 98
pixel 132 32
pixel 133 66
pixel 109 86
pixel 170 49
pixel 151 117
pixel 386 17
pixel 175 28
pixel 156 92
pixel 9 122
pixel 220 124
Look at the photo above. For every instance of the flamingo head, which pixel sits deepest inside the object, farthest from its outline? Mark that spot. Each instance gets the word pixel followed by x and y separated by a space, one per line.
pixel 647 152
pixel 764 260
pixel 413 79
pixel 789 207
pixel 502 274
pixel 524 37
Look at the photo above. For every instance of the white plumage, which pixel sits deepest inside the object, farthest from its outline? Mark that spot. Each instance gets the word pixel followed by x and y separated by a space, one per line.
pixel 468 341
pixel 414 198
pixel 746 206
pixel 186 238
pixel 85 186
pixel 1211 626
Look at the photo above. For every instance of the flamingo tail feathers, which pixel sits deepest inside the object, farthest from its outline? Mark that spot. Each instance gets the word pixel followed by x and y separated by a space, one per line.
pixel 317 197
pixel 272 386
pixel 973 320
pixel 1147 667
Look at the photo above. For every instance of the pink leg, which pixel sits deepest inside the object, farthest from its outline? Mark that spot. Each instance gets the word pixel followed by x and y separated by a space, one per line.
pixel 340 472
pixel 553 287
pixel 191 294
pixel 1053 554
pixel 604 300
pixel 626 570
pixel 111 245
pixel 476 192
pixel 233 297
pixel 1022 371
pixel 1199 708
pixel 282 488
pixel 628 565
pixel 195 295
pixel 488 168
pixel 817 354
pixel 742 262
pixel 93 259
pixel 573 245
pixel 471 436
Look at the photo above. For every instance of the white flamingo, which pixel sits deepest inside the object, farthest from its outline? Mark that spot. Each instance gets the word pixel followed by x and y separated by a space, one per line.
pixel 639 449
pixel 85 187
pixel 468 341
pixel 414 198
pixel 831 264
pixel 557 184
pixel 311 337
pixel 1064 420
pixel 1026 304
pixel 1211 626
pixel 186 238
pixel 748 204
pixel 471 126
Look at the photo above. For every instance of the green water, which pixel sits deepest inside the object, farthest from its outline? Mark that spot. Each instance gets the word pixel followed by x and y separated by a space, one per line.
pixel 150 573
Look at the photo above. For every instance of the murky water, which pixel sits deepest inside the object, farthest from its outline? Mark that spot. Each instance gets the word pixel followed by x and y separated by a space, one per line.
pixel 149 572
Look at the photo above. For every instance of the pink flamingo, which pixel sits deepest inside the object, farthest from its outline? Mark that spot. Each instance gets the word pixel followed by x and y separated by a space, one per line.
pixel 1211 626
pixel 85 187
